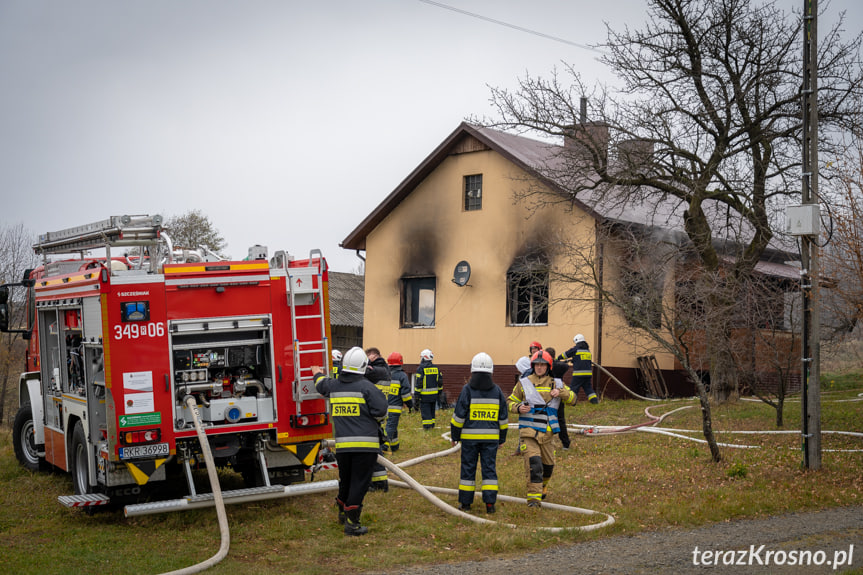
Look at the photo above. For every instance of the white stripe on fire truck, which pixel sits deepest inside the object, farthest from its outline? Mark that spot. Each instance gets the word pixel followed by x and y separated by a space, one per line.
pixel 81 290
pixel 218 280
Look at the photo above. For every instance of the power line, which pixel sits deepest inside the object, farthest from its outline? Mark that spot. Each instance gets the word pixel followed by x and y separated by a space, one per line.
pixel 508 25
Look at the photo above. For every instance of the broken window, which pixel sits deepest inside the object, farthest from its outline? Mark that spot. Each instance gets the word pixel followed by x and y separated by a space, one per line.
pixel 473 192
pixel 527 294
pixel 642 298
pixel 418 301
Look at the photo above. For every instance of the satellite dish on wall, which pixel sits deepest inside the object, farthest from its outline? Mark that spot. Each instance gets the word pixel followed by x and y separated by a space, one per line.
pixel 461 274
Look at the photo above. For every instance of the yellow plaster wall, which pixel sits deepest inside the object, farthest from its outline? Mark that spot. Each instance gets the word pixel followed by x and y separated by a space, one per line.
pixel 429 233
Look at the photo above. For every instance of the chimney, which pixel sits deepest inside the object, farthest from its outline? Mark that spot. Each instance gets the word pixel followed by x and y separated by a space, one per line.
pixel 634 154
pixel 588 136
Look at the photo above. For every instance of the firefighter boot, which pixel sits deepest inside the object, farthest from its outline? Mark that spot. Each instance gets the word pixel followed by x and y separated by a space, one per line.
pixel 341 505
pixel 352 521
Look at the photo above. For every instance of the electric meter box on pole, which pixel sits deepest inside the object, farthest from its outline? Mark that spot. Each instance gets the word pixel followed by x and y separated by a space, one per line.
pixel 803 220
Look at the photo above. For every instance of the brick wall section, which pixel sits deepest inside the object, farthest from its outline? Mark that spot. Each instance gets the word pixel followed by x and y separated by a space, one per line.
pixel 678 384
pixel 455 376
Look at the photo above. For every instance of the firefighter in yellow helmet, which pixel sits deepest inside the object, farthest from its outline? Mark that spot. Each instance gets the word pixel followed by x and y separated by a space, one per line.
pixel 536 398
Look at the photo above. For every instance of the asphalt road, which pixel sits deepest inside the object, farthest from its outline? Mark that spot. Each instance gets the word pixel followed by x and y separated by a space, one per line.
pixel 791 544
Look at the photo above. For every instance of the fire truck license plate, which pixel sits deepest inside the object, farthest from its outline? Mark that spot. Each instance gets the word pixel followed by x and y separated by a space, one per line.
pixel 139 451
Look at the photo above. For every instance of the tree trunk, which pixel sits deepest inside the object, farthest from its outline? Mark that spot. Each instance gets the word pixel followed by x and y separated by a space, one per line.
pixel 707 424
pixel 780 405
pixel 706 417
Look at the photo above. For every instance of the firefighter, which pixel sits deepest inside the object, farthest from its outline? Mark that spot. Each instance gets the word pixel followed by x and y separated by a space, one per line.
pixel 337 363
pixel 357 408
pixel 399 396
pixel 429 382
pixel 480 421
pixel 559 367
pixel 378 372
pixel 582 368
pixel 535 399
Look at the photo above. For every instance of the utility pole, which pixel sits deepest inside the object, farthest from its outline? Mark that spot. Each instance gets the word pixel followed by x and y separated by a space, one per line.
pixel 811 340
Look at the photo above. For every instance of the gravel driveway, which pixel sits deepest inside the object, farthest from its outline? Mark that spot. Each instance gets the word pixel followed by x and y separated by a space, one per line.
pixel 823 537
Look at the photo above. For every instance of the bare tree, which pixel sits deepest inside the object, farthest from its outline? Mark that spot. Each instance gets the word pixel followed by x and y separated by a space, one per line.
pixel 842 257
pixel 767 335
pixel 194 229
pixel 16 257
pixel 703 137
pixel 648 279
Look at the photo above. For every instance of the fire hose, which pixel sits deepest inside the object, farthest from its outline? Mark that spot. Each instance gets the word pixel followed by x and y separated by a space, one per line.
pixel 217 495
pixel 428 493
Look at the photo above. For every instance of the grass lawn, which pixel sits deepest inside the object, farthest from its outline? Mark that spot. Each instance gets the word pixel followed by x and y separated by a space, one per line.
pixel 644 480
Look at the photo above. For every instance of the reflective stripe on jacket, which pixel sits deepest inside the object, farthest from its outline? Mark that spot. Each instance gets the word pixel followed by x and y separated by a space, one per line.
pixel 480 415
pixel 356 406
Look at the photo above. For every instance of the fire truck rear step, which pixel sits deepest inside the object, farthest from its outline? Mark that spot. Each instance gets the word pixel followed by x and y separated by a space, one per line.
pixel 88 500
pixel 234 496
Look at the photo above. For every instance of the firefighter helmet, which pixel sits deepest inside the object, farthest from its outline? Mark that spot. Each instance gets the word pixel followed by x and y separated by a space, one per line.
pixel 355 361
pixel 337 355
pixel 523 364
pixel 395 358
pixel 481 362
pixel 427 354
pixel 535 344
pixel 578 338
pixel 541 357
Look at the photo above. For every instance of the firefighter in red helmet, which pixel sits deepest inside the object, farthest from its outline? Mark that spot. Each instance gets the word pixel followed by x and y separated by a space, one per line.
pixel 536 398
pixel 398 396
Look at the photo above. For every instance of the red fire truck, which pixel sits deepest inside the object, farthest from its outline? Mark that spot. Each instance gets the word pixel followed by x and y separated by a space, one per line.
pixel 118 343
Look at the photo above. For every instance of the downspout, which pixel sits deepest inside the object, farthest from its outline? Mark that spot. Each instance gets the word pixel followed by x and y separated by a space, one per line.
pixel 359 256
pixel 600 251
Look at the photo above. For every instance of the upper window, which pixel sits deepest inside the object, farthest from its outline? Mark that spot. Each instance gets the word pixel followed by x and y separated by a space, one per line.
pixel 418 301
pixel 473 192
pixel 527 296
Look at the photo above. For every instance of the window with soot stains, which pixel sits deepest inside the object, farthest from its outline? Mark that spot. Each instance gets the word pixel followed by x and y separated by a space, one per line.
pixel 473 192
pixel 527 296
pixel 418 302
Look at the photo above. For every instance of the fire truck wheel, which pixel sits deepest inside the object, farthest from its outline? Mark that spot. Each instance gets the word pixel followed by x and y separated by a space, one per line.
pixel 24 440
pixel 80 467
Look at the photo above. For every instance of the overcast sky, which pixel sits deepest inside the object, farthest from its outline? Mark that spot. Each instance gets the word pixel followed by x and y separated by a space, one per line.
pixel 284 122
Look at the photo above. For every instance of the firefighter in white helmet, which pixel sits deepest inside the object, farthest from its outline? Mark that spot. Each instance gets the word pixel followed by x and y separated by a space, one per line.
pixel 582 367
pixel 429 382
pixel 357 408
pixel 337 363
pixel 479 420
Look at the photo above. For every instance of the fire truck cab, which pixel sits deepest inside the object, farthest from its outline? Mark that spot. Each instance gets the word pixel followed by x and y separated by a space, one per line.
pixel 117 343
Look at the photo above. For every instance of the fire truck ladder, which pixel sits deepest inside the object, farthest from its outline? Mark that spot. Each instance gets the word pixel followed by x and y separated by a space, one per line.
pixel 305 287
pixel 116 231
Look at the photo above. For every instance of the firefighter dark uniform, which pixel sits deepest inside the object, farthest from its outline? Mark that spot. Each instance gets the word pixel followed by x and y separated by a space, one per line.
pixel 479 421
pixel 582 368
pixel 378 372
pixel 429 382
pixel 357 406
pixel 337 364
pixel 559 367
pixel 538 426
pixel 398 396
